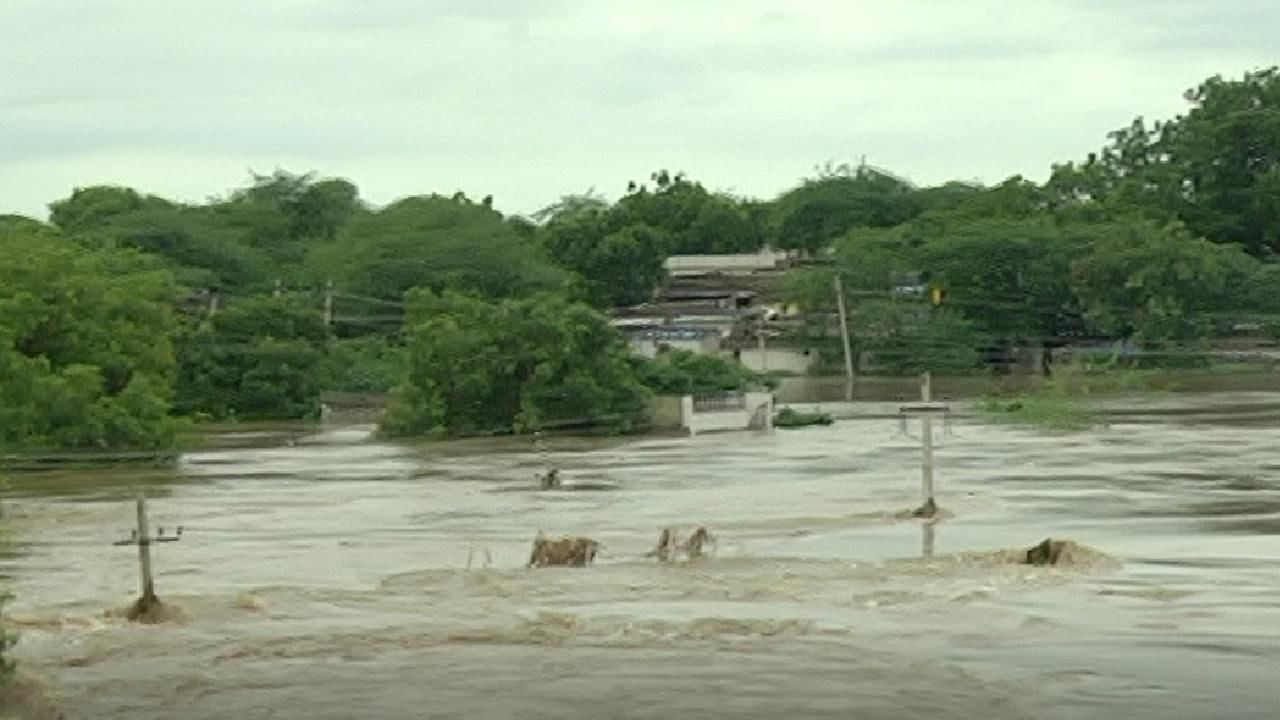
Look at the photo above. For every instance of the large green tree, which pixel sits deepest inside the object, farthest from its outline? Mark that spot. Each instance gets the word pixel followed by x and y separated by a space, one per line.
pixel 616 265
pixel 435 242
pixel 85 354
pixel 477 366
pixel 691 219
pixel 1009 277
pixel 822 209
pixel 260 358
pixel 1158 284
pixel 1216 168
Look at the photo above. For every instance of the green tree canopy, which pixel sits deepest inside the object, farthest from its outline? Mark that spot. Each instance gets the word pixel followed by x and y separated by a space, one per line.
pixel 477 366
pixel 1216 168
pixel 89 207
pixel 822 209
pixel 619 266
pixel 438 243
pixel 1155 283
pixel 261 358
pixel 1011 278
pixel 691 219
pixel 199 247
pixel 85 354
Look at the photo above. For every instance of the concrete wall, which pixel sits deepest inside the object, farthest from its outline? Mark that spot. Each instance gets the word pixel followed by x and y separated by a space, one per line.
pixel 763 260
pixel 776 359
pixel 882 388
pixel 648 347
pixel 667 412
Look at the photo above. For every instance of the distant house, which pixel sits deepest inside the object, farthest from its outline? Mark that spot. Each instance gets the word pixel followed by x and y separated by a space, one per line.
pixel 686 266
pixel 707 301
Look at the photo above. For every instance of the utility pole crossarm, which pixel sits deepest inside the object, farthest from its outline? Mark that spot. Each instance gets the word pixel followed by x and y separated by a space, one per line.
pixel 142 537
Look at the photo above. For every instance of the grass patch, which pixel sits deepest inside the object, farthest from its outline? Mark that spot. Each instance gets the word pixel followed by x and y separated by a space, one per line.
pixel 1044 412
pixel 1064 402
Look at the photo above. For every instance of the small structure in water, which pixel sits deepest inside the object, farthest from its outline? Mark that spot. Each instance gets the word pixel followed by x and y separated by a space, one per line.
pixel 146 609
pixel 550 480
pixel 566 551
pixel 927 511
pixel 670 547
pixel 1048 552
pixel 483 550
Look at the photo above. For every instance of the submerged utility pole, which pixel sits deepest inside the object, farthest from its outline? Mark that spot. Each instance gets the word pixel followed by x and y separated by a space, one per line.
pixel 926 440
pixel 844 337
pixel 142 538
pixel 926 411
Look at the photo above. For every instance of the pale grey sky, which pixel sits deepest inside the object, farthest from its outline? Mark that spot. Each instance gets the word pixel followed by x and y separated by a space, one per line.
pixel 532 99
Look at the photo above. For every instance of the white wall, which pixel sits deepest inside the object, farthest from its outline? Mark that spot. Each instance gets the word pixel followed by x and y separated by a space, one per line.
pixel 746 262
pixel 648 347
pixel 783 359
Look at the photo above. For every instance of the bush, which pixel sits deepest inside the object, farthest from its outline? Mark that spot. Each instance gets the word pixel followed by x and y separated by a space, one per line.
pixel 681 372
pixel 479 367
pixel 789 418
pixel 365 365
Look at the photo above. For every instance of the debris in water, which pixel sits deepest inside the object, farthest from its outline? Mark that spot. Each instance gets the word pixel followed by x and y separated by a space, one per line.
pixel 28 698
pixel 1050 552
pixel 550 480
pixel 471 551
pixel 250 601
pixel 669 546
pixel 928 510
pixel 148 610
pixel 572 551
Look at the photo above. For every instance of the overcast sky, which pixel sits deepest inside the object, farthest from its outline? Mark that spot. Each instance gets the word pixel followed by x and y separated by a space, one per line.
pixel 532 99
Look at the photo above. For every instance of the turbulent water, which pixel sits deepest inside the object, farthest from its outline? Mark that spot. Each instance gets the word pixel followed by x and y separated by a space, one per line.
pixel 327 578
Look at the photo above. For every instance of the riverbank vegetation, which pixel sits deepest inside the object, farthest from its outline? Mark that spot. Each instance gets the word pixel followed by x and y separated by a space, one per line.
pixel 126 314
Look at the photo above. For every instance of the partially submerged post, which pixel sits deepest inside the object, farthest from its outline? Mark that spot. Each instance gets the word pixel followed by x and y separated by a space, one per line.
pixel 147 605
pixel 926 440
pixel 926 411
pixel 550 479
pixel 844 338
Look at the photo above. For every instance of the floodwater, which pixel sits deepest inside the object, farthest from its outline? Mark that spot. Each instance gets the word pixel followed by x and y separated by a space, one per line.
pixel 328 578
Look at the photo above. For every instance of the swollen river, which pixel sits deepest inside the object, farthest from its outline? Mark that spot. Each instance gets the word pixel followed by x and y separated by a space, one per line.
pixel 327 578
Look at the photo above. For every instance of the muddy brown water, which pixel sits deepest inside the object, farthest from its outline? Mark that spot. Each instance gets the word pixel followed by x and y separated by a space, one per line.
pixel 326 578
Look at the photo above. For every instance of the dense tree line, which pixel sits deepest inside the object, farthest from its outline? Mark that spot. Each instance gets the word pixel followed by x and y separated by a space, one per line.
pixel 125 311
